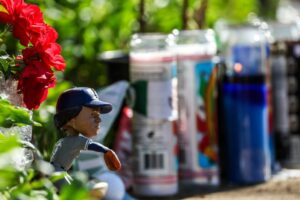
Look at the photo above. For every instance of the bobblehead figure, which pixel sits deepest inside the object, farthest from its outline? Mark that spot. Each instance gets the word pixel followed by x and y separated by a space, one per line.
pixel 78 113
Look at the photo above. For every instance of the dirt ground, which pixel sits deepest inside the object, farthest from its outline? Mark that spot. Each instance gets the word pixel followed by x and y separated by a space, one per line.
pixel 283 186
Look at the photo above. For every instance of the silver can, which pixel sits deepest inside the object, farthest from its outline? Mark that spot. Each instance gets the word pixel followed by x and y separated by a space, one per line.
pixel 197 137
pixel 153 78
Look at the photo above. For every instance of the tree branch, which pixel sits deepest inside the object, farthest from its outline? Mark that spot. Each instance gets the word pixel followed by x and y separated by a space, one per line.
pixel 200 14
pixel 184 14
pixel 142 17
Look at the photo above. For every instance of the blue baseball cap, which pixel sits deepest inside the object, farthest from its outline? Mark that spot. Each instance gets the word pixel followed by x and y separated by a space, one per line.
pixel 81 96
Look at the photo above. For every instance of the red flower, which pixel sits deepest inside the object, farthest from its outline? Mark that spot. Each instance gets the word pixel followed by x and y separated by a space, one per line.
pixel 22 16
pixel 43 53
pixel 24 22
pixel 34 82
pixel 13 8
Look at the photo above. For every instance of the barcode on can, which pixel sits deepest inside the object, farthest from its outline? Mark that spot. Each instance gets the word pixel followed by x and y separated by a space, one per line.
pixel 153 161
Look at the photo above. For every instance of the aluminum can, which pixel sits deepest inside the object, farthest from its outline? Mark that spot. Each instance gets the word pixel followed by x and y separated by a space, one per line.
pixel 285 72
pixel 153 79
pixel 293 59
pixel 197 132
pixel 244 108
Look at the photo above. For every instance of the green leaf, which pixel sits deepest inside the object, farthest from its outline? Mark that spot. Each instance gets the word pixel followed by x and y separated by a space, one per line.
pixel 5 62
pixel 8 143
pixel 74 191
pixel 58 176
pixel 4 66
pixel 8 177
pixel 3 53
pixel 30 175
pixel 14 116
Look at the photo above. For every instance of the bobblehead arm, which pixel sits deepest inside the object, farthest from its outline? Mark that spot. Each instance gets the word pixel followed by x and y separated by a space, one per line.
pixel 94 146
pixel 111 159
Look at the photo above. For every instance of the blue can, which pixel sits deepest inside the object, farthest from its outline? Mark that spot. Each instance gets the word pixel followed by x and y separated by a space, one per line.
pixel 245 119
pixel 243 101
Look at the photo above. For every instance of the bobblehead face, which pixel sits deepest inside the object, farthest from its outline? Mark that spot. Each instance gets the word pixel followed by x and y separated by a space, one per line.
pixel 87 122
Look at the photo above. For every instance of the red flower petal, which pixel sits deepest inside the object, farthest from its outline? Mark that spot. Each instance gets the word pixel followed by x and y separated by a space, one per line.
pixel 34 82
pixel 42 33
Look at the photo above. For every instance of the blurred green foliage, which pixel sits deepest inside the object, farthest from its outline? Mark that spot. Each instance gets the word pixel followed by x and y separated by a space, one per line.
pixel 88 28
pixel 234 11
pixel 267 9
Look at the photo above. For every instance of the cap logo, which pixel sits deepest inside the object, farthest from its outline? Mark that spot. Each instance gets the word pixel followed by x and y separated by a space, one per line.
pixel 95 93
